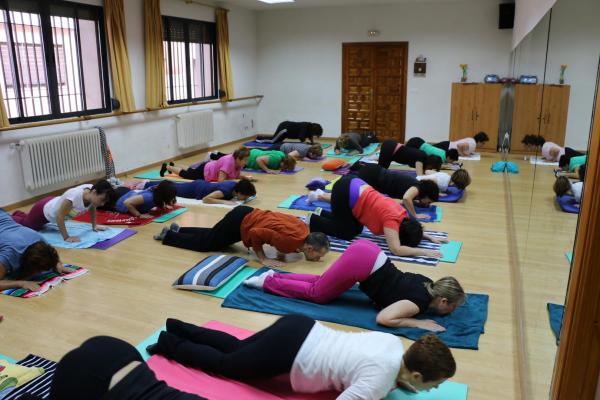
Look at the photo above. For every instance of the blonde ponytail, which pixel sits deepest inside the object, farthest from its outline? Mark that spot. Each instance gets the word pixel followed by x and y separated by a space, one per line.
pixel 448 288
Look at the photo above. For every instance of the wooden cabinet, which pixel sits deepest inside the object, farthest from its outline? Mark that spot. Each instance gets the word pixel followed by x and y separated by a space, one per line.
pixel 539 109
pixel 475 108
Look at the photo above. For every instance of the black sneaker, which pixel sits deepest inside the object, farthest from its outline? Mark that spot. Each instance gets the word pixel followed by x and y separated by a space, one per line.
pixel 163 169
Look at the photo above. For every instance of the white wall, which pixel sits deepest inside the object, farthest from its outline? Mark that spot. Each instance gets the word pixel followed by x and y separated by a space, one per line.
pixel 300 58
pixel 146 138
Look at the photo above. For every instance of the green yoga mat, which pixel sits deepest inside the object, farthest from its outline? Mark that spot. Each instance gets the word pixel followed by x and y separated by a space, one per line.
pixel 154 175
pixel 450 251
pixel 446 391
pixel 153 338
pixel 370 149
pixel 569 257
pixel 230 285
pixel 287 203
pixel 7 358
pixel 438 215
pixel 325 145
pixel 168 216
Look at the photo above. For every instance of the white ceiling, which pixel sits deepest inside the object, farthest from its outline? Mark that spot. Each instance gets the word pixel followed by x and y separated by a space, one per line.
pixel 258 5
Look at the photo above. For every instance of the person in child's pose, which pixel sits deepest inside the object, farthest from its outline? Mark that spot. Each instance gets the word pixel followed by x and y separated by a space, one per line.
pixel 398 295
pixel 140 202
pixel 355 204
pixel 354 142
pixel 270 161
pixel 299 151
pixel 254 227
pixel 227 192
pixel 74 201
pixel 23 254
pixel 293 130
pixel 459 178
pixel 563 185
pixel 107 368
pixel 360 365
pixel 392 150
pixel 224 168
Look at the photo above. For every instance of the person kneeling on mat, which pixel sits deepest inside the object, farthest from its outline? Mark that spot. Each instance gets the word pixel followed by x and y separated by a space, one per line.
pixel 399 295
pixel 354 204
pixel 254 227
pixel 392 150
pixel 361 365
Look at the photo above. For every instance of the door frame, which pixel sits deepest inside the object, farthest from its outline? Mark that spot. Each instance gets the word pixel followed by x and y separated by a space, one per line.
pixel 346 45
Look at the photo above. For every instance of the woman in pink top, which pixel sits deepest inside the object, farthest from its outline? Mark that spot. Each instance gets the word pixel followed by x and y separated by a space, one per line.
pixel 224 169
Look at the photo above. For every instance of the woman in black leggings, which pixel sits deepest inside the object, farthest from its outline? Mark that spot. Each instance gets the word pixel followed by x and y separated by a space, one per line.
pixel 107 368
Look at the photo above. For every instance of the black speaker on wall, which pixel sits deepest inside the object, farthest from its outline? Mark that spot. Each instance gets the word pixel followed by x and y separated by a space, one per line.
pixel 506 18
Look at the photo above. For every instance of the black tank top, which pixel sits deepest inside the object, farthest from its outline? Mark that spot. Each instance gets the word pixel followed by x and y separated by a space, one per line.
pixel 388 285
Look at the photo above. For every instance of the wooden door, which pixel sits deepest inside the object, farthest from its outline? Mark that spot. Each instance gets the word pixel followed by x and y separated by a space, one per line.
pixel 462 111
pixel 487 112
pixel 555 109
pixel 526 115
pixel 374 88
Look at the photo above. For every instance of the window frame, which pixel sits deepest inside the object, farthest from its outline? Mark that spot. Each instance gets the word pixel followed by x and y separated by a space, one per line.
pixel 215 73
pixel 47 45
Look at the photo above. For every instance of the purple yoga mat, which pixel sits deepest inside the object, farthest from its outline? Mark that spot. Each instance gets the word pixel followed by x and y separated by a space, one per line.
pixel 105 244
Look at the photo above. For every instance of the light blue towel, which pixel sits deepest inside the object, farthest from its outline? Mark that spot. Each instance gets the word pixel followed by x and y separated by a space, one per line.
pixel 83 231
pixel 354 308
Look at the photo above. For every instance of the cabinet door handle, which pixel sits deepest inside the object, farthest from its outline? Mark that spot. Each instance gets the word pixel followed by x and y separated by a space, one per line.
pixel 476 115
pixel 547 118
pixel 472 115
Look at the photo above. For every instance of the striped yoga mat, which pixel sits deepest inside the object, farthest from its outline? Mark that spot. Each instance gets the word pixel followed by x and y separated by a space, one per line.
pixel 40 386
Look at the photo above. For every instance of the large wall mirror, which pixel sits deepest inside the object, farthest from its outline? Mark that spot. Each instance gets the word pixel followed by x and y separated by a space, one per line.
pixel 550 129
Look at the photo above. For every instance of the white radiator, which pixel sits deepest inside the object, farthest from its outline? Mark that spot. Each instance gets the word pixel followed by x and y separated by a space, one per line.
pixel 194 128
pixel 58 160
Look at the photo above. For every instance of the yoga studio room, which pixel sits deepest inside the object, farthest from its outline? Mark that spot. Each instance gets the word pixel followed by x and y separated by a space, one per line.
pixel 299 199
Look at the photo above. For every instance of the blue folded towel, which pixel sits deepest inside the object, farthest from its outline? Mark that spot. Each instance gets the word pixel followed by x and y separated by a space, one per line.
pixel 512 168
pixel 567 203
pixel 453 194
pixel 354 308
pixel 556 312
pixel 499 166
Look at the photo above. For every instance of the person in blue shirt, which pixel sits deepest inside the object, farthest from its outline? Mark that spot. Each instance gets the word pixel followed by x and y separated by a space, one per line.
pixel 23 254
pixel 140 202
pixel 226 192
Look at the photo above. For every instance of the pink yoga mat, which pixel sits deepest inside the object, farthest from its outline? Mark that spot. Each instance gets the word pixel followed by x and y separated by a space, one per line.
pixel 215 387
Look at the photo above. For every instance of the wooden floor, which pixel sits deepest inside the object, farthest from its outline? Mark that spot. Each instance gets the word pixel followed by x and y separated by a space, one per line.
pixel 128 292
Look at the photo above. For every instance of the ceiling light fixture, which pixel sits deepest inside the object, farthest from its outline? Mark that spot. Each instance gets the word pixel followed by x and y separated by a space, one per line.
pixel 276 1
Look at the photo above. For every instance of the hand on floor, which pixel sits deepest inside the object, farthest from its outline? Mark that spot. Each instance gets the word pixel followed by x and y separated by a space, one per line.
pixel 272 263
pixel 439 240
pixel 430 325
pixel 72 239
pixel 432 253
pixel 34 287
pixel 423 216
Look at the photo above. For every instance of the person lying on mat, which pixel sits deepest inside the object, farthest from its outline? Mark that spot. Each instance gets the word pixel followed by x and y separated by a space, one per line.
pixel 72 202
pixel 397 185
pixel 399 295
pixel 354 142
pixel 448 156
pixel 107 368
pixel 224 168
pixel 355 204
pixel 563 185
pixel 293 130
pixel 299 151
pixel 140 202
pixel 255 228
pixel 459 178
pixel 360 365
pixel 228 192
pixel 23 254
pixel 466 146
pixel 270 161
pixel 391 150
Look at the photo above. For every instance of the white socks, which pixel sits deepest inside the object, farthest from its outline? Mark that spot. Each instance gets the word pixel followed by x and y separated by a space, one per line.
pixel 257 282
pixel 314 196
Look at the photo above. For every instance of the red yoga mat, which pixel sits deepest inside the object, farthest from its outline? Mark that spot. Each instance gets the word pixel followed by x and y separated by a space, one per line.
pixel 117 218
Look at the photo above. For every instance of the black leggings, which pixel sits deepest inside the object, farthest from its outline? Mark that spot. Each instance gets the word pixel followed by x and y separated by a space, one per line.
pixel 85 373
pixel 265 354
pixel 225 233
pixel 445 145
pixel 340 222
pixel 193 173
pixel 415 142
pixel 565 159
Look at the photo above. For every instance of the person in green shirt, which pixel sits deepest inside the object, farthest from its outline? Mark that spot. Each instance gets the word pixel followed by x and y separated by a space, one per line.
pixel 270 160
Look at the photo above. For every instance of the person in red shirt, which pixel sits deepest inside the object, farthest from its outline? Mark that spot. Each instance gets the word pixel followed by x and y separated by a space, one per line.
pixel 254 227
pixel 355 204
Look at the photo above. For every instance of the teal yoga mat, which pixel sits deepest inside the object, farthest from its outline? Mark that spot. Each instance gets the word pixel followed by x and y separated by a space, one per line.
pixel 153 338
pixel 168 216
pixel 7 358
pixel 446 391
pixel 230 285
pixel 450 251
pixel 154 175
pixel 569 257
pixel 370 149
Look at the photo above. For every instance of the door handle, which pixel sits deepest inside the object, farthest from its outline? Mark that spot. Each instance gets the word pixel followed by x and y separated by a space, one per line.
pixel 547 118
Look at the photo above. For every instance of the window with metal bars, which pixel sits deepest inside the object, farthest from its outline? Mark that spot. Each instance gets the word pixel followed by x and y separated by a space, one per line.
pixel 53 61
pixel 190 60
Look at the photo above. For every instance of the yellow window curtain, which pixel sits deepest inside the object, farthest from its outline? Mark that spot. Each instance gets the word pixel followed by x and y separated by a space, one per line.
pixel 156 92
pixel 3 114
pixel 117 49
pixel 225 76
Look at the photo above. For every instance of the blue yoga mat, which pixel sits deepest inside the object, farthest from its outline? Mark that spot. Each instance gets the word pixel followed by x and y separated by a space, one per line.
pixel 556 312
pixel 453 194
pixel 300 202
pixel 567 203
pixel 354 308
pixel 84 231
